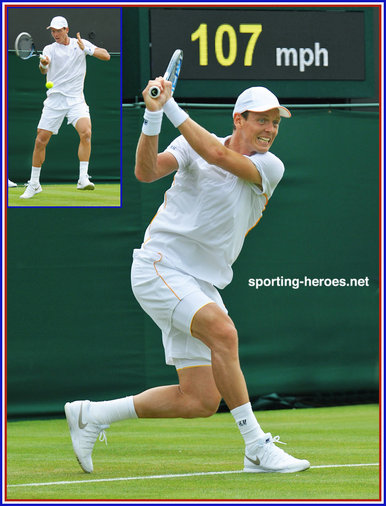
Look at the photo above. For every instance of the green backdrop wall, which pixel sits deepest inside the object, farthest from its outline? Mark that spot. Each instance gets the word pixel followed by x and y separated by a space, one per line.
pixel 75 330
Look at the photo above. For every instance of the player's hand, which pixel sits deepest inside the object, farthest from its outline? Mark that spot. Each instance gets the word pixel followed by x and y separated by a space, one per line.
pixel 156 104
pixel 153 104
pixel 167 90
pixel 80 42
pixel 44 60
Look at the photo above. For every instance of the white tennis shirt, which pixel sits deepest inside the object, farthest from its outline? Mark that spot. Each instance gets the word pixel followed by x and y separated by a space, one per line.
pixel 201 226
pixel 67 68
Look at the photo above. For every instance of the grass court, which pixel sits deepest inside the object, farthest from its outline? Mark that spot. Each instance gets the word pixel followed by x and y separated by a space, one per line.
pixel 200 459
pixel 66 195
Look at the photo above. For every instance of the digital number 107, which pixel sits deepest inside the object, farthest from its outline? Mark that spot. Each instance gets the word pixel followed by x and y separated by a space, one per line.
pixel 225 30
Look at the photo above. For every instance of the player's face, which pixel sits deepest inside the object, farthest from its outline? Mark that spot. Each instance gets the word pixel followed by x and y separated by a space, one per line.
pixel 259 130
pixel 60 35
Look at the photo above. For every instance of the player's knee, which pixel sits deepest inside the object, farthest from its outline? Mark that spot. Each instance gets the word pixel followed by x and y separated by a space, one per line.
pixel 203 407
pixel 41 141
pixel 210 406
pixel 206 412
pixel 219 333
pixel 225 339
pixel 85 135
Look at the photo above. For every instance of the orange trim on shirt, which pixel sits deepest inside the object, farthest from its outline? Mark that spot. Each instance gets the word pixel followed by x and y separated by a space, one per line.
pixel 154 217
pixel 159 275
pixel 266 203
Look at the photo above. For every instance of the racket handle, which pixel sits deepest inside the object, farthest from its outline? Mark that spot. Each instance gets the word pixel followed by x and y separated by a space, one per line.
pixel 154 92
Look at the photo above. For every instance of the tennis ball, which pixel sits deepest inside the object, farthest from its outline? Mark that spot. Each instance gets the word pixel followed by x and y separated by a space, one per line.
pixel 49 84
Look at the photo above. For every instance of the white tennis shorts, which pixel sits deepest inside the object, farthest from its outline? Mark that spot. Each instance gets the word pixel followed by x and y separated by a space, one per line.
pixel 57 107
pixel 172 298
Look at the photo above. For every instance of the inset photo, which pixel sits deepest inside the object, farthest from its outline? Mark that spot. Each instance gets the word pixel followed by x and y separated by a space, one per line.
pixel 63 107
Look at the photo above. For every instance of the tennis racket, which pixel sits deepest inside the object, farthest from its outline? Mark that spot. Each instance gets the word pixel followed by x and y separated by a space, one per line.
pixel 25 47
pixel 171 74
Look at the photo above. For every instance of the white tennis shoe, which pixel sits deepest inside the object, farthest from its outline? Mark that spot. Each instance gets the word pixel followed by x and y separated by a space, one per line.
pixel 271 459
pixel 11 184
pixel 31 190
pixel 84 432
pixel 84 183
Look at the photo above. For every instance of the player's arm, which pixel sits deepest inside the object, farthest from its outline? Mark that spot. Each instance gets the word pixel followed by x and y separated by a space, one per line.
pixel 99 52
pixel 215 153
pixel 205 144
pixel 149 165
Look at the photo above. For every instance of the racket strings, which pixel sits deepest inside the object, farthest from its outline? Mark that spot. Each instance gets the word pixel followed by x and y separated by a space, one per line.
pixel 24 46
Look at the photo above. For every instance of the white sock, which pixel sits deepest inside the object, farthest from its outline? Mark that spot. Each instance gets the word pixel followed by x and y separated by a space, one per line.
pixel 35 175
pixel 247 424
pixel 83 169
pixel 107 412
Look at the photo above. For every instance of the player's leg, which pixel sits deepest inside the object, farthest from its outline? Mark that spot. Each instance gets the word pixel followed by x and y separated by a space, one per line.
pixel 54 111
pixel 83 127
pixel 215 329
pixel 39 153
pixel 38 156
pixel 195 396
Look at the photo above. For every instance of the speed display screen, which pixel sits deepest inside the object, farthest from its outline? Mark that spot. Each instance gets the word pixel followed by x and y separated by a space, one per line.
pixel 257 44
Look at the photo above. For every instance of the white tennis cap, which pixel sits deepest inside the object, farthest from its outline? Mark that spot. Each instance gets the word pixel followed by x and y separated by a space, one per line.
pixel 259 99
pixel 58 22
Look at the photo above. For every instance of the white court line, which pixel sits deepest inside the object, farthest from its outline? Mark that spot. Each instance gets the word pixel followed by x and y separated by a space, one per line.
pixel 160 476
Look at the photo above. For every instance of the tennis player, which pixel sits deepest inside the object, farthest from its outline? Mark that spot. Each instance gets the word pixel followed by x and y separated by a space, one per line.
pixel 64 63
pixel 220 190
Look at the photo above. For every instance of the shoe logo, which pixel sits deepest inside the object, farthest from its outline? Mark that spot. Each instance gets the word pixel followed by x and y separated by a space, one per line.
pixel 254 461
pixel 80 423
